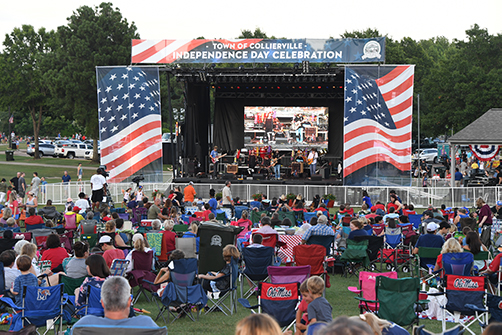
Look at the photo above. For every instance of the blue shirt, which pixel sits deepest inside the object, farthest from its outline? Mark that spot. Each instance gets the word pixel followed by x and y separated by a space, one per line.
pixel 318 230
pixel 28 279
pixel 66 178
pixel 357 232
pixel 139 322
pixel 429 241
pixel 458 175
pixel 367 200
pixel 213 205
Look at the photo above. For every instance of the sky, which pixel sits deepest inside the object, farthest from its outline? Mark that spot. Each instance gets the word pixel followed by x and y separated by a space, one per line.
pixel 190 19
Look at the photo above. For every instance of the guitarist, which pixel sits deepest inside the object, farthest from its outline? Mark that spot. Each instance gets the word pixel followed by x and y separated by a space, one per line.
pixel 312 161
pixel 214 159
pixel 276 164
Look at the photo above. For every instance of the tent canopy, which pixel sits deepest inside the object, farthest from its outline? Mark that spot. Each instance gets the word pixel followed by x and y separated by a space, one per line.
pixel 485 130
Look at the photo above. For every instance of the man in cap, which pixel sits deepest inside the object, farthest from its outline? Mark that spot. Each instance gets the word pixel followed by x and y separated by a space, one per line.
pixel 110 253
pixel 322 228
pixel 429 240
pixel 497 210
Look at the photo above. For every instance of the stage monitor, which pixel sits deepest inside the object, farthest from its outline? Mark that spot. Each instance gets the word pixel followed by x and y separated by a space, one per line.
pixel 284 128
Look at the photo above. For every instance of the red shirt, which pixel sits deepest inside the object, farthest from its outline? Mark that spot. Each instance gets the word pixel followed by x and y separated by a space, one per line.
pixel 377 206
pixel 110 255
pixel 34 219
pixel 321 209
pixel 495 264
pixel 55 255
pixel 390 204
pixel 408 212
pixel 168 244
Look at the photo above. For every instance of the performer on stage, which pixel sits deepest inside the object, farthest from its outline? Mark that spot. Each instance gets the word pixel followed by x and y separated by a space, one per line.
pixel 214 160
pixel 276 163
pixel 312 160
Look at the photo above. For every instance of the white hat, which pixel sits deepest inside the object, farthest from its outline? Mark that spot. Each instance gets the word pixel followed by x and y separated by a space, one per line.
pixel 105 239
pixel 136 237
pixel 432 226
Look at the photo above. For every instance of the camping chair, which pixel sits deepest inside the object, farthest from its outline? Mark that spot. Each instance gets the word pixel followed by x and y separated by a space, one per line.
pixel 290 215
pixel 396 299
pixel 28 330
pixel 375 244
pixel 288 274
pixel 92 239
pixel 271 240
pixel 325 241
pixel 39 304
pixel 231 292
pixel 313 255
pixel 142 270
pixel 119 267
pixel 459 263
pixel 70 221
pixel 70 284
pixel 366 291
pixel 44 265
pixel 256 261
pixel 277 300
pixel 182 291
pixel 180 228
pixel 355 255
pixel 255 216
pixel 427 265
pixel 191 209
pixel 465 296
pixel 188 246
pixel 480 259
pixel 415 220
pixel 309 215
pixel 377 228
pixel 139 214
pixel 238 211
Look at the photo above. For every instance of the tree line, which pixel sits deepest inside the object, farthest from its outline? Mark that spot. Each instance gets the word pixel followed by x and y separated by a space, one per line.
pixel 48 78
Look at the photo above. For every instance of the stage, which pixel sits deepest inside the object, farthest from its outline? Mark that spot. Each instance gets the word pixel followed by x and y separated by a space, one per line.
pixel 296 181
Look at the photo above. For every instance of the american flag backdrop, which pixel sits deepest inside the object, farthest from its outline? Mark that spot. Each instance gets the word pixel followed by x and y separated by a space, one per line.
pixel 377 121
pixel 130 126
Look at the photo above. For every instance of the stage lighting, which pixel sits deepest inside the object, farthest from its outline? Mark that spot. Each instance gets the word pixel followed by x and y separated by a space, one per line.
pixel 266 67
pixel 327 65
pixel 212 66
pixel 306 66
pixel 202 76
pixel 296 66
pixel 241 68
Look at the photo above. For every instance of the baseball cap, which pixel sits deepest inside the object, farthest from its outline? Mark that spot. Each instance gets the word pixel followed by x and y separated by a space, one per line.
pixel 432 226
pixel 76 209
pixel 499 203
pixel 105 239
pixel 322 219
pixel 136 237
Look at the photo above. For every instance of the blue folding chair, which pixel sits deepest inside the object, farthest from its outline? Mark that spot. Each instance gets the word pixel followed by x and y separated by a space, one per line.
pixel 93 302
pixel 39 304
pixel 256 261
pixel 459 263
pixel 309 215
pixel 182 290
pixel 238 211
pixel 231 292
pixel 119 267
pixel 415 220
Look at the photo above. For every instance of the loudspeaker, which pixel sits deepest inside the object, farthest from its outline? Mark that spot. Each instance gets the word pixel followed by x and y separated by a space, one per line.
pixel 316 177
pixel 232 168
pixel 228 176
pixel 326 172
pixel 258 176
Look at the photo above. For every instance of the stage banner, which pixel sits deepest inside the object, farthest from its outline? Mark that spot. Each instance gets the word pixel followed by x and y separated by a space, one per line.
pixel 377 125
pixel 130 126
pixel 348 50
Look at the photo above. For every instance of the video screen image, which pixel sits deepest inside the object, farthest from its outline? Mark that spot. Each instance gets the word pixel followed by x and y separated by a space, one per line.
pixel 286 127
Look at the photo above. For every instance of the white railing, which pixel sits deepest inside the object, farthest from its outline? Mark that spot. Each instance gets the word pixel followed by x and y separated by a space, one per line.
pixel 418 196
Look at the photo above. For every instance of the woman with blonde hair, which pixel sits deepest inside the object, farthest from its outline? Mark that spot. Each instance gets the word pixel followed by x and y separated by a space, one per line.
pixel 14 205
pixel 139 244
pixel 381 326
pixel 192 232
pixel 258 324
pixel 110 230
pixel 7 213
pixel 450 246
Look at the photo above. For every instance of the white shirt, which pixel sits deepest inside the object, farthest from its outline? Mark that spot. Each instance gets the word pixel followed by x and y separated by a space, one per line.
pixel 226 192
pixel 83 204
pixel 97 182
pixel 313 156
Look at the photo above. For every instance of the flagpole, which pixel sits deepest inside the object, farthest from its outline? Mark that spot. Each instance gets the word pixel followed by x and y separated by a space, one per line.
pixel 419 124
pixel 10 137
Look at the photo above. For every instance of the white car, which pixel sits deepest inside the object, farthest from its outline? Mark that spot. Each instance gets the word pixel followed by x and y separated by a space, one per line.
pixel 430 155
pixel 72 150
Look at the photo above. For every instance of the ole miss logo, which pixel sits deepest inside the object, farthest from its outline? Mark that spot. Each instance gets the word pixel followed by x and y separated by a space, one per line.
pixel 465 283
pixel 278 292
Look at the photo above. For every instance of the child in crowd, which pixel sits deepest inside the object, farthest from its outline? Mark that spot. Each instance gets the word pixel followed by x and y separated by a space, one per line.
pixel 319 308
pixel 209 283
pixel 301 316
pixel 25 279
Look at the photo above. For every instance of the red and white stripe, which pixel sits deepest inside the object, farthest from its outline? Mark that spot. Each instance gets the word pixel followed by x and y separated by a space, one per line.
pixel 366 141
pixel 132 148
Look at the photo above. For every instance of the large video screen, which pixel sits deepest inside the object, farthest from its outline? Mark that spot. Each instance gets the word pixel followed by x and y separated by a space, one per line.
pixel 286 127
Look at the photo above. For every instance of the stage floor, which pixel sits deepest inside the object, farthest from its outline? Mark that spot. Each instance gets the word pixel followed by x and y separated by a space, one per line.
pixel 293 181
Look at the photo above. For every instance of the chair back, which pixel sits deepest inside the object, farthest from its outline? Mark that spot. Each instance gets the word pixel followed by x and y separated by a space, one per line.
pixel 119 267
pixel 44 265
pixel 256 215
pixel 462 290
pixel 397 299
pixel 325 241
pixel 356 251
pixel 415 220
pixel 269 240
pixel 142 260
pixel 279 301
pixel 375 243
pixel 44 301
pixel 92 239
pixel 482 256
pixel 238 211
pixel 93 302
pixel 367 282
pixel 290 215
pixel 191 209
pixel 255 204
pixel 188 245
pixel 346 220
pixel 312 255
pixel 426 252
pixel 309 215
pixel 129 330
pixel 288 274
pixel 88 226
pixel 184 271
pixel 458 263
pixel 70 221
pixel 138 214
pixel 180 228
pixel 70 284
pixel 393 237
pixel 257 260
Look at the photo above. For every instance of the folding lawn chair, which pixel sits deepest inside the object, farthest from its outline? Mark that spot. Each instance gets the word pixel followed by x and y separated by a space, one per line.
pixel 309 215
pixel 129 330
pixel 70 221
pixel 188 246
pixel 375 244
pixel 91 239
pixel 231 292
pixel 70 284
pixel 288 274
pixel 271 240
pixel 465 297
pixel 277 300
pixel 366 291
pixel 325 241
pixel 427 260
pixel 39 304
pixel 313 255
pixel 396 300
pixel 191 209
pixel 139 214
pixel 182 291
pixel 119 267
pixel 256 261
pixel 355 257
pixel 415 220
pixel 142 270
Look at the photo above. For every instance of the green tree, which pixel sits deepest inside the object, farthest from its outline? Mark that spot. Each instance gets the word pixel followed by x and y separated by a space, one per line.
pixel 97 36
pixel 24 64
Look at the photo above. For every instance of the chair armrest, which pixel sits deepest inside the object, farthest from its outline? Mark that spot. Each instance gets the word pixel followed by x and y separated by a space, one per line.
pixel 426 301
pixel 354 289
pixel 11 303
pixel 476 308
pixel 245 303
pixel 366 300
pixel 436 294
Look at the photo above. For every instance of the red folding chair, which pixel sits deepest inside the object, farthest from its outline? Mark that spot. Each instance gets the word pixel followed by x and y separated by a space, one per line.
pixel 313 255
pixel 272 240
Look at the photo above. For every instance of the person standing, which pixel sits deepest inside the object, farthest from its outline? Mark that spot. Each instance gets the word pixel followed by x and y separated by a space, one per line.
pixel 277 164
pixel 35 183
pixel 3 190
pixel 227 200
pixel 80 172
pixel 98 186
pixel 22 187
pixel 14 182
pixel 312 160
pixel 66 179
pixel 189 194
